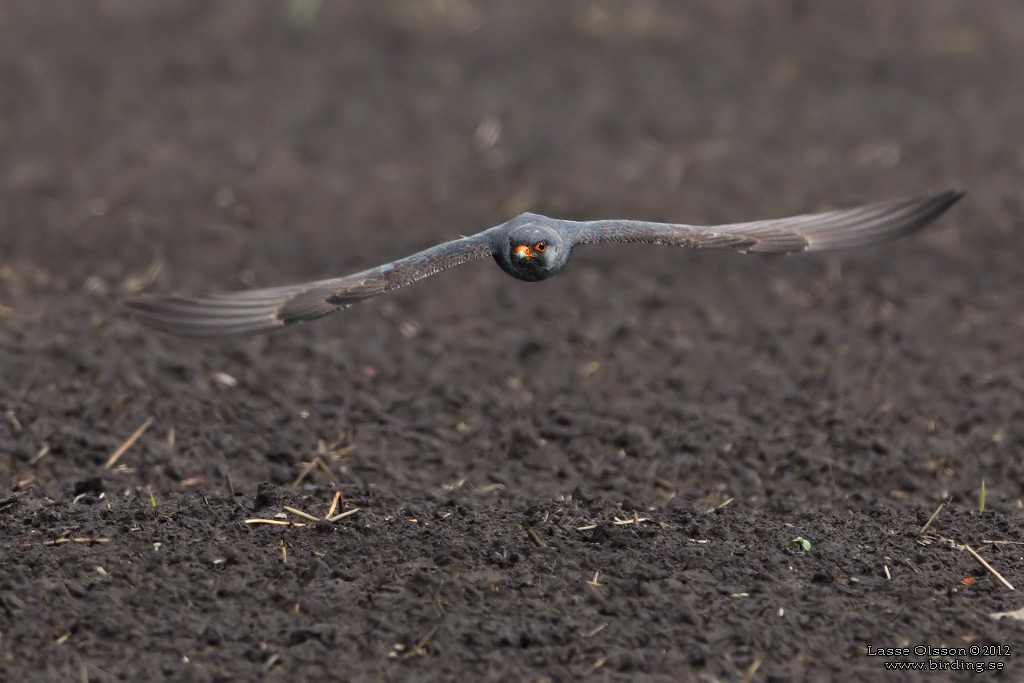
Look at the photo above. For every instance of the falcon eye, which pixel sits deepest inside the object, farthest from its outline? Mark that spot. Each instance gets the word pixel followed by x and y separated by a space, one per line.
pixel 540 246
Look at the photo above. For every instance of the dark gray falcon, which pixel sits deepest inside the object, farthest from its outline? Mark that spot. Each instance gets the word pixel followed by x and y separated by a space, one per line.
pixel 530 247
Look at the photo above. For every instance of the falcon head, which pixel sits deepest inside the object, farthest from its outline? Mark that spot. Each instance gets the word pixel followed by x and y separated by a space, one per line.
pixel 531 250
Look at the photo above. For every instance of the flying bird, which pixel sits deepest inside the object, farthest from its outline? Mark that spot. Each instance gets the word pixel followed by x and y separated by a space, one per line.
pixel 530 247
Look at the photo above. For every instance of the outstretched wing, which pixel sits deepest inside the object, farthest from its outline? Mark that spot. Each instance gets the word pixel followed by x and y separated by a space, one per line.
pixel 841 229
pixel 261 310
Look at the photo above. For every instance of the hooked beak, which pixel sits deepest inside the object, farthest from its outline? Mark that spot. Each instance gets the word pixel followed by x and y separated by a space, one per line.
pixel 524 253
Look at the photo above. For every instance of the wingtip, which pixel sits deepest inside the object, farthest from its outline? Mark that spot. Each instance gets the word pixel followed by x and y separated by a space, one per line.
pixel 201 317
pixel 880 222
pixel 952 196
pixel 944 200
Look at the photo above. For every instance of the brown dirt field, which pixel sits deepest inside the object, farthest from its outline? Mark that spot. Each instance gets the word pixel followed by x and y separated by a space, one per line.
pixel 596 477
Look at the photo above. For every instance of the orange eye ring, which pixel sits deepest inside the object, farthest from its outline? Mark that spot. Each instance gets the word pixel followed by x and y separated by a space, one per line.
pixel 540 246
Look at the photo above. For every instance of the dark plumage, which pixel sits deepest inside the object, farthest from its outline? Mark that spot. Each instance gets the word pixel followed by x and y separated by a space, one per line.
pixel 532 248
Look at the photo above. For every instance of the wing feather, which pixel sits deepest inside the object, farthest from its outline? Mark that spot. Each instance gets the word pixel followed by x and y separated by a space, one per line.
pixel 842 229
pixel 262 310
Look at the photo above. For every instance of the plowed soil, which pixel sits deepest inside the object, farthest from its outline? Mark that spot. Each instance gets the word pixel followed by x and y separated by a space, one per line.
pixel 603 476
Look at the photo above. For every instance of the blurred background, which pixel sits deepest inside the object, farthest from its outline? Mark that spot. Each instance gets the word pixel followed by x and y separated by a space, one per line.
pixel 219 145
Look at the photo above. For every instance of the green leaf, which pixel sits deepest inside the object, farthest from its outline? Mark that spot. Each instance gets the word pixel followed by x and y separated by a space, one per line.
pixel 802 543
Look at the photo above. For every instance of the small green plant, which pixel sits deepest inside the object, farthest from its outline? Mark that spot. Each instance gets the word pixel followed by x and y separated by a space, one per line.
pixel 981 498
pixel 801 543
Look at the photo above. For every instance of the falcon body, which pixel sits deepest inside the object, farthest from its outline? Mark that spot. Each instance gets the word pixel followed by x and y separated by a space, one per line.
pixel 530 247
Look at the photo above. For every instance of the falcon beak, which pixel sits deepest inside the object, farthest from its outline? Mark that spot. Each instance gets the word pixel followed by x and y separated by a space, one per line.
pixel 523 252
